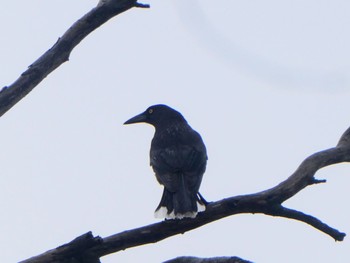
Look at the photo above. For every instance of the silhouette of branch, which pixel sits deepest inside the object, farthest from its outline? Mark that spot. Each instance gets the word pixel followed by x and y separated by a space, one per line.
pixel 281 211
pixel 207 260
pixel 268 202
pixel 60 51
pixel 89 249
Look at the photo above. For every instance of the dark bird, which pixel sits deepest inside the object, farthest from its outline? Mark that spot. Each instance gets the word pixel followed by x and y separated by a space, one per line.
pixel 178 157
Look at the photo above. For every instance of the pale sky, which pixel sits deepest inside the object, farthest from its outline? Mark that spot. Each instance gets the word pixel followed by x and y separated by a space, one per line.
pixel 266 84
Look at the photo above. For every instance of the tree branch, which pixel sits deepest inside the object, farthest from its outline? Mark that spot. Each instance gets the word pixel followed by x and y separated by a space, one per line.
pixel 72 252
pixel 268 202
pixel 308 219
pixel 88 248
pixel 60 51
pixel 207 260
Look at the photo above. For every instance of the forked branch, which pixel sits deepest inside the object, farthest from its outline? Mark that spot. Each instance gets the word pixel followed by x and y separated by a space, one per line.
pixel 268 202
pixel 88 248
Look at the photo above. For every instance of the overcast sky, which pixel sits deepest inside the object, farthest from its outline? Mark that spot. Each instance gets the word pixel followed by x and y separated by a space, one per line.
pixel 266 83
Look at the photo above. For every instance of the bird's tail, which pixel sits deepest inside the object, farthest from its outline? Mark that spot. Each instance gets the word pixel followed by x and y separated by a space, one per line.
pixel 180 204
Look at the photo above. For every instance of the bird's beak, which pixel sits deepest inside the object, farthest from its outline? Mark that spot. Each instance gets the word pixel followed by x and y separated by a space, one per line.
pixel 138 118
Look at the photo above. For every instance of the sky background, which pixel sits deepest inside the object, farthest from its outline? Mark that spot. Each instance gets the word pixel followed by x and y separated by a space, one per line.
pixel 266 83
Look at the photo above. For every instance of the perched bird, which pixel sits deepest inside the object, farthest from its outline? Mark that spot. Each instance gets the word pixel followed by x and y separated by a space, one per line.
pixel 178 157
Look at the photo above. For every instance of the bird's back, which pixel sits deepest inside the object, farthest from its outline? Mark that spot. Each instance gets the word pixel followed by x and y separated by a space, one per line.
pixel 178 157
pixel 177 149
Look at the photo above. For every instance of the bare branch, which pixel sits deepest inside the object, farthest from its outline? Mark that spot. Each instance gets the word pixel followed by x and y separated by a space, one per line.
pixel 344 140
pixel 207 260
pixel 139 5
pixel 60 52
pixel 267 202
pixel 312 221
pixel 73 251
pixel 88 248
pixel 304 175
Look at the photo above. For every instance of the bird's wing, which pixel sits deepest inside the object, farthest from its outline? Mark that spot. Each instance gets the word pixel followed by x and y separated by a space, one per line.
pixel 172 161
pixel 177 158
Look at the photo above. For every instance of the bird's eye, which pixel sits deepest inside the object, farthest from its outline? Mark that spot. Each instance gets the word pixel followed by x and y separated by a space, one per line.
pixel 150 111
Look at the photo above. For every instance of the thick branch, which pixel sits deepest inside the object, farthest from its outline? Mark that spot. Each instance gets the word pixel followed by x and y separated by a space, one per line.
pixel 72 252
pixel 60 51
pixel 87 248
pixel 266 202
pixel 304 175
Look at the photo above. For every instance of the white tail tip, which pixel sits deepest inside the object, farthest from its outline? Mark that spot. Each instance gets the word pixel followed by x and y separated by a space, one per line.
pixel 163 212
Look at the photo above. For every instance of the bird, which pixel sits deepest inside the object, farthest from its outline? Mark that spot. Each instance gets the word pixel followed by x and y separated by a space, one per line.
pixel 178 157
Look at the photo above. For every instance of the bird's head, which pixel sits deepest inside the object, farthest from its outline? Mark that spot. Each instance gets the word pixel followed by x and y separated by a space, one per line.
pixel 157 115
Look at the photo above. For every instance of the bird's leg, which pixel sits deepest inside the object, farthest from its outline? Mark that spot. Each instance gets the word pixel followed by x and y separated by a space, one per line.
pixel 202 199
